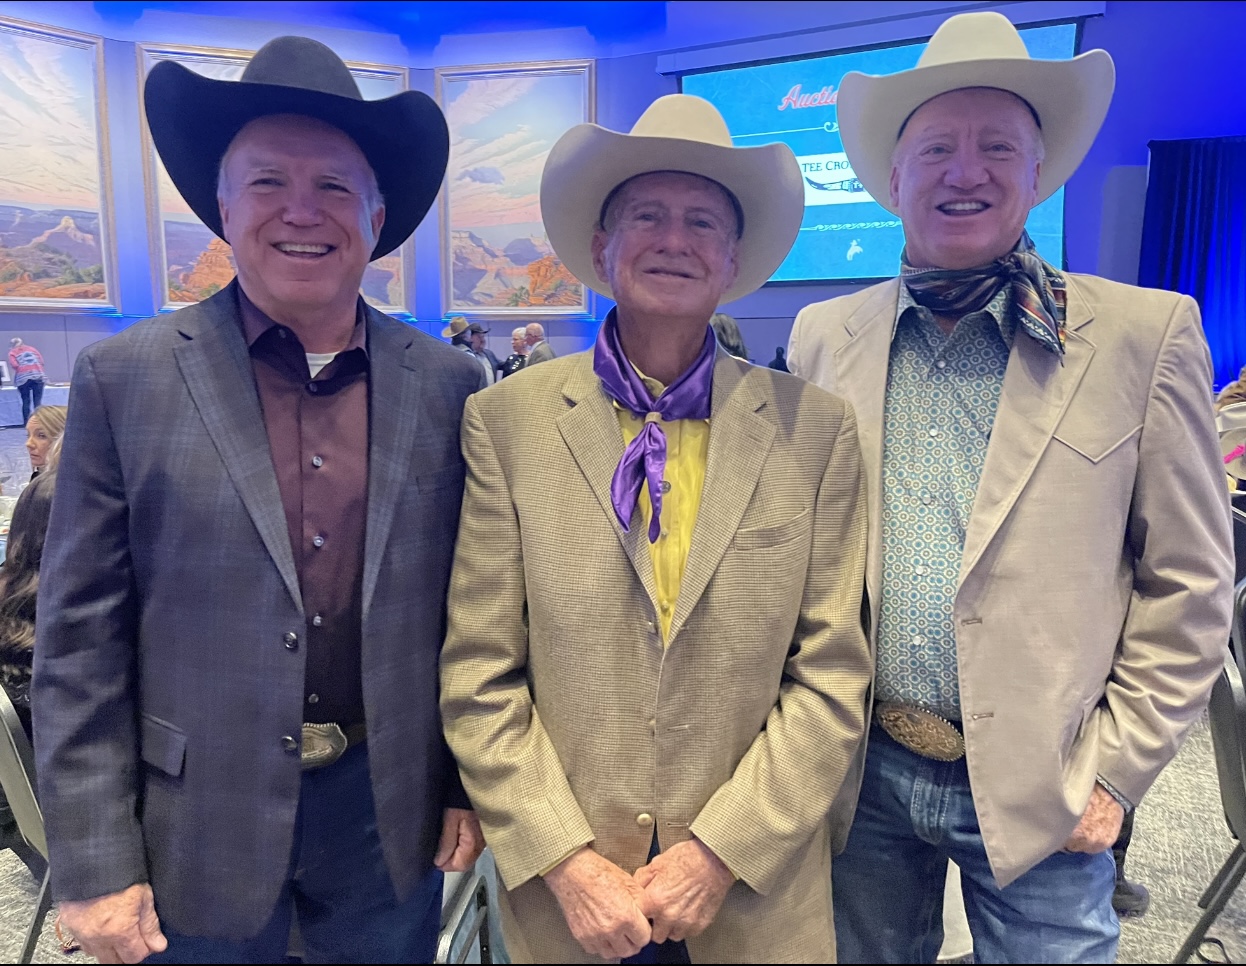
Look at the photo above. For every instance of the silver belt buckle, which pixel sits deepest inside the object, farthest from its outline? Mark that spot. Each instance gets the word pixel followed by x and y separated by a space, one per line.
pixel 323 744
pixel 920 731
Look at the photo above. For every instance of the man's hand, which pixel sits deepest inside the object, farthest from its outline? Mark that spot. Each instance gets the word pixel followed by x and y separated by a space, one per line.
pixel 461 841
pixel 121 927
pixel 1100 825
pixel 685 886
pixel 603 905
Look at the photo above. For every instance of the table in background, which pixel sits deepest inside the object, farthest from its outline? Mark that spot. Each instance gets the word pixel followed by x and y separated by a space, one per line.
pixel 11 402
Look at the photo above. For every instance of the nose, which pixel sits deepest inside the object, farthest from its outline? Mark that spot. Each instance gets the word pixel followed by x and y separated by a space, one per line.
pixel 966 170
pixel 302 206
pixel 674 238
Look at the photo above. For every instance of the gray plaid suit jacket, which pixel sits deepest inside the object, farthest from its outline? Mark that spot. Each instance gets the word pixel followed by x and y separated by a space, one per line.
pixel 163 686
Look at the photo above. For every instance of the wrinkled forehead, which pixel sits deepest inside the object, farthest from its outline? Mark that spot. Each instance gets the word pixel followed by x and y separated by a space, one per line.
pixel 295 136
pixel 987 105
pixel 660 185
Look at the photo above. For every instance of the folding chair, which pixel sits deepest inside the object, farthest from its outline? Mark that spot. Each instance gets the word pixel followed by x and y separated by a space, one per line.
pixel 1227 715
pixel 464 920
pixel 17 778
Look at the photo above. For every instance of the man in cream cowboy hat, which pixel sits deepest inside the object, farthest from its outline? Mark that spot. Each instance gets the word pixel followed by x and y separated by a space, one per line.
pixel 1049 566
pixel 655 672
pixel 244 581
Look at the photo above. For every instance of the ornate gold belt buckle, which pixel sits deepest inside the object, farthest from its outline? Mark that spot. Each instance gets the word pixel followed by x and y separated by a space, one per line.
pixel 920 731
pixel 323 744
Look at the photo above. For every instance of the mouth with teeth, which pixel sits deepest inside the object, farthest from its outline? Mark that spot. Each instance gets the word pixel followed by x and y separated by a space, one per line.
pixel 959 209
pixel 668 273
pixel 303 249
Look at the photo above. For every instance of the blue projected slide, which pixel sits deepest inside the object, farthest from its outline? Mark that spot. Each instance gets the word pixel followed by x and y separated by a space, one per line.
pixel 845 233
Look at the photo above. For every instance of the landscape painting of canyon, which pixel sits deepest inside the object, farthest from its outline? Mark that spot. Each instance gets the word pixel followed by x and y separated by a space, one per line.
pixel 503 121
pixel 197 264
pixel 52 204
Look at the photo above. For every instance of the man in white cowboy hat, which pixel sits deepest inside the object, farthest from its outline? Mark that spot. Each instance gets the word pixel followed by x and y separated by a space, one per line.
pixel 655 672
pixel 242 598
pixel 1049 566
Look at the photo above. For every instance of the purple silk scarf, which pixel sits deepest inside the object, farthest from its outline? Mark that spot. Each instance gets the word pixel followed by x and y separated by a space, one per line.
pixel 644 459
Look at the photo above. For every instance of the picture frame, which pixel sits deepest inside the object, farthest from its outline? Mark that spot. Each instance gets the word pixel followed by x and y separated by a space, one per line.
pixel 189 262
pixel 57 242
pixel 496 260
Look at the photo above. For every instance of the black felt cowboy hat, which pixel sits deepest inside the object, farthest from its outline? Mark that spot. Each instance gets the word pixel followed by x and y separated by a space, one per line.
pixel 193 118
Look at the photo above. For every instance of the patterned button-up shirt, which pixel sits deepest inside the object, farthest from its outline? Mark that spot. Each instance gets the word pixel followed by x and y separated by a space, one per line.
pixel 942 393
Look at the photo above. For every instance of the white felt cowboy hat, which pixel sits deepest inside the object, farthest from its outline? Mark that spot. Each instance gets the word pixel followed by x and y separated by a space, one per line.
pixel 1069 97
pixel 677 132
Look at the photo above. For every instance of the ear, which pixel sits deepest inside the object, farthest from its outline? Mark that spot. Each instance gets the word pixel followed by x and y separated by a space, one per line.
pixel 378 220
pixel 895 186
pixel 600 241
pixel 224 210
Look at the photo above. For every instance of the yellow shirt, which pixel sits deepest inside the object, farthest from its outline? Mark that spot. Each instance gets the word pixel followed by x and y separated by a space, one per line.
pixel 687 448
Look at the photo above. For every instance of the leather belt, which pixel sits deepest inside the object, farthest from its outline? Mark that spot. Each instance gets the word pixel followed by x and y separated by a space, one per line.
pixel 323 744
pixel 920 731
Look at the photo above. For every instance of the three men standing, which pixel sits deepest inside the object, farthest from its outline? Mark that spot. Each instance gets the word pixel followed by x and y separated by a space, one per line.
pixel 655 673
pixel 243 603
pixel 1049 553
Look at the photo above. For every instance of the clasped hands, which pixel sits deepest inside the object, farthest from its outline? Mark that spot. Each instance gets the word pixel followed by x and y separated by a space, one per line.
pixel 613 914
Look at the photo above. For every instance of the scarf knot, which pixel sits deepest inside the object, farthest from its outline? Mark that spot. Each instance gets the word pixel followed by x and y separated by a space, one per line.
pixel 644 458
pixel 1037 296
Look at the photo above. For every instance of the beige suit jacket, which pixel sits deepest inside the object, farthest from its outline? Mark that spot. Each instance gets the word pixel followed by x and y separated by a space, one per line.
pixel 1093 605
pixel 572 723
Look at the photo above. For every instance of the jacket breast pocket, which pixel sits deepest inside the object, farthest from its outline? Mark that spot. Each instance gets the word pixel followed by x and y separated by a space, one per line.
pixel 763 538
pixel 162 745
pixel 1097 443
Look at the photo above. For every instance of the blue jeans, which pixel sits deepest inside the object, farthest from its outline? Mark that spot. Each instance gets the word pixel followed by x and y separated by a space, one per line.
pixel 914 815
pixel 338 882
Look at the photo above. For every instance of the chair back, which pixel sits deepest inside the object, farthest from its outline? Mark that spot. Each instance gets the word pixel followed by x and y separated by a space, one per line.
pixel 17 771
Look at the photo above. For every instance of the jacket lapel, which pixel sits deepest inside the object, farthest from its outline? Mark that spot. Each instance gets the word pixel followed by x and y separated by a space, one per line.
pixel 861 362
pixel 396 380
pixel 739 443
pixel 591 431
pixel 1036 392
pixel 216 366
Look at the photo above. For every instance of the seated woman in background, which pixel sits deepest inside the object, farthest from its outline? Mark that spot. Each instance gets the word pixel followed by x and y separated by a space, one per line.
pixel 19 580
pixel 45 426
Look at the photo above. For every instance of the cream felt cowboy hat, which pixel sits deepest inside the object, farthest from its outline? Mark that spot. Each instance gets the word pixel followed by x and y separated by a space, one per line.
pixel 677 132
pixel 1069 97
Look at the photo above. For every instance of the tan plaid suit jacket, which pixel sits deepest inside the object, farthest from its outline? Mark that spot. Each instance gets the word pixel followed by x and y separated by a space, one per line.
pixel 572 723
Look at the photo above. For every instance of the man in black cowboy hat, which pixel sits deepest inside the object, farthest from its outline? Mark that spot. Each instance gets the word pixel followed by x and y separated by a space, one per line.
pixel 244 580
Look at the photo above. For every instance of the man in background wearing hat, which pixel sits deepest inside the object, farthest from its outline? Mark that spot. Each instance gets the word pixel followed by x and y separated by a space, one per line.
pixel 481 350
pixel 655 672
pixel 469 337
pixel 243 586
pixel 1049 567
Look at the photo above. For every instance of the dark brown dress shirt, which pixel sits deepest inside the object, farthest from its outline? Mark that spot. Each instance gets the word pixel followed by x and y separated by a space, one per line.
pixel 318 435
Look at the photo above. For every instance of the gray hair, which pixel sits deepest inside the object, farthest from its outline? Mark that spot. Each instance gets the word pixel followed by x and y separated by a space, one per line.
pixel 372 196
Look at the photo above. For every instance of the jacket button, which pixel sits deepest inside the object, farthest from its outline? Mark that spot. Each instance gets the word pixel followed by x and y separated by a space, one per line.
pixel 290 744
pixel 291 641
pixel 644 820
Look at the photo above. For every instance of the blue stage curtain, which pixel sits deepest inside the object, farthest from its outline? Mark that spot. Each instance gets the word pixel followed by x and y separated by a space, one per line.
pixel 1194 237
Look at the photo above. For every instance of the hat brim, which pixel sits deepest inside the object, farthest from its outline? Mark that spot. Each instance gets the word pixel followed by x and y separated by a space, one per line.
pixel 1071 98
pixel 590 161
pixel 193 119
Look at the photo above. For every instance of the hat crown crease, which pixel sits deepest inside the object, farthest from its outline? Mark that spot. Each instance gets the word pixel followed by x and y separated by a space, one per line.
pixel 975 37
pixel 301 63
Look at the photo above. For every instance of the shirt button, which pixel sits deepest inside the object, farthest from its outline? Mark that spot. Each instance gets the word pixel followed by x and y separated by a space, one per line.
pixel 917 640
pixel 644 820
pixel 281 333
pixel 666 486
pixel 926 501
pixel 653 628
pixel 290 744
pixel 313 698
pixel 934 433
pixel 941 364
pixel 317 461
pixel 665 606
pixel 664 533
pixel 317 541
pixel 313 387
pixel 291 641
pixel 317 621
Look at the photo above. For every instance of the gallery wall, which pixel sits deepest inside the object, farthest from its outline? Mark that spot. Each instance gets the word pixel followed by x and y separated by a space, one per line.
pixel 1177 77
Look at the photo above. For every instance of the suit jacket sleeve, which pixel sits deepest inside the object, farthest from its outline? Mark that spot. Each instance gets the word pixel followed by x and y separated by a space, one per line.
pixel 785 784
pixel 84 696
pixel 510 767
pixel 1177 626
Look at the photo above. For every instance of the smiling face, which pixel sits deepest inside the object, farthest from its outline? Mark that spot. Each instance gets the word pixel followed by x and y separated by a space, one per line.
pixel 964 177
pixel 299 207
pixel 668 246
pixel 38 442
